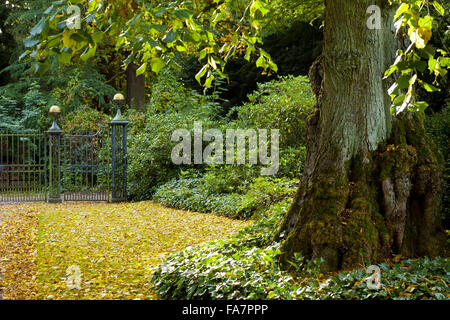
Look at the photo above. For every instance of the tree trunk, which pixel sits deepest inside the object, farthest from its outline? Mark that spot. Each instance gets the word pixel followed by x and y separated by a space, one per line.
pixel 135 88
pixel 372 183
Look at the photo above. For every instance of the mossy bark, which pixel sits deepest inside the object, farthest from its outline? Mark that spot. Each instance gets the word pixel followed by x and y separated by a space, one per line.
pixel 372 183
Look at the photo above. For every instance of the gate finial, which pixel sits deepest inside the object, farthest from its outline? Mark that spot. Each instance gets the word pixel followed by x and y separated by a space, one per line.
pixel 55 111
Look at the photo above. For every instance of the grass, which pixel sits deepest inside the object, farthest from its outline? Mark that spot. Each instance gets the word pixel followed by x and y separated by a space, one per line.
pixel 115 246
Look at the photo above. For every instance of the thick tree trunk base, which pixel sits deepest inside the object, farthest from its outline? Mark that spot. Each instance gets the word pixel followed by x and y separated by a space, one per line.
pixel 370 208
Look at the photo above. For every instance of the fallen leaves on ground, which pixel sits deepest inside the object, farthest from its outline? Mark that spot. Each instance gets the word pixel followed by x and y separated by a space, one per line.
pixel 18 233
pixel 115 247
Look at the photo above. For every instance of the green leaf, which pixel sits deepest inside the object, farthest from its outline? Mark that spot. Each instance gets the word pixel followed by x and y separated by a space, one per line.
pixel 30 42
pixel 402 9
pixel 40 27
pixel 141 69
pixel 393 89
pixel 183 13
pixel 429 87
pixel 444 62
pixel 88 53
pixel 23 55
pixel 157 64
pixel 65 55
pixel 98 37
pixel 420 106
pixel 404 81
pixel 399 100
pixel 273 66
pixel 432 65
pixel 212 63
pixel 201 73
pixel 170 37
pixel 209 81
pixel 439 8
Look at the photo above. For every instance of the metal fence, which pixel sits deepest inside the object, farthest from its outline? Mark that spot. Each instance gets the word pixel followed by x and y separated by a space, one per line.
pixel 55 166
pixel 23 173
pixel 86 166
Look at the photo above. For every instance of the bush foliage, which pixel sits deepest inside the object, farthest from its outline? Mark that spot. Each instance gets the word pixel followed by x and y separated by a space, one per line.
pixel 245 267
pixel 438 126
pixel 214 188
pixel 194 194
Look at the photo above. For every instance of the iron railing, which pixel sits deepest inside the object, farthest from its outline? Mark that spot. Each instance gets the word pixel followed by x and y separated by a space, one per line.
pixel 55 166
pixel 23 173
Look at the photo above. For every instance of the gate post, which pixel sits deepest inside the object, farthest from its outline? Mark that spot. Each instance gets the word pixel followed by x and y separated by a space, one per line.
pixel 119 153
pixel 54 160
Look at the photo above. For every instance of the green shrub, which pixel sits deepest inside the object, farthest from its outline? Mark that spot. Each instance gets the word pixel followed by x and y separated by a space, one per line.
pixel 25 112
pixel 438 126
pixel 228 178
pixel 85 119
pixel 193 194
pixel 172 106
pixel 169 94
pixel 292 161
pixel 149 160
pixel 282 104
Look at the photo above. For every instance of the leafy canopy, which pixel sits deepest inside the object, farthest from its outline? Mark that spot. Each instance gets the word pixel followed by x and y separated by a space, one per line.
pixel 152 33
pixel 414 21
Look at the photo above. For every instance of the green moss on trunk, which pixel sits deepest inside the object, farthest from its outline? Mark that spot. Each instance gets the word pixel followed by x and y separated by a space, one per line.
pixel 385 203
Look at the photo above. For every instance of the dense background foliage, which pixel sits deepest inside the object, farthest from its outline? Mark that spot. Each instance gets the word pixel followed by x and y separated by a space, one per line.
pixel 251 96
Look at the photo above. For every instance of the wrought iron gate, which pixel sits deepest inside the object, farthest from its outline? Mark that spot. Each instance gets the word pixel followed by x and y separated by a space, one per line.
pixel 23 173
pixel 86 166
pixel 54 166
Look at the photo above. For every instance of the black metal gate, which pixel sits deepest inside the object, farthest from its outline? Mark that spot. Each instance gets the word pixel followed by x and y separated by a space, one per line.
pixel 23 174
pixel 86 166
pixel 54 166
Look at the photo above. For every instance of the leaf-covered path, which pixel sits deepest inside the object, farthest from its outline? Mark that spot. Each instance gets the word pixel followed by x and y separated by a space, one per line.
pixel 115 246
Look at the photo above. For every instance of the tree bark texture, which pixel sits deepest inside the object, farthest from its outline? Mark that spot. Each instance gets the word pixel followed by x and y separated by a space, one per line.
pixel 372 182
pixel 135 88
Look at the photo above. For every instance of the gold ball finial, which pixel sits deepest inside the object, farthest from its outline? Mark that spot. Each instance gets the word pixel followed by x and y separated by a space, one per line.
pixel 118 97
pixel 55 110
